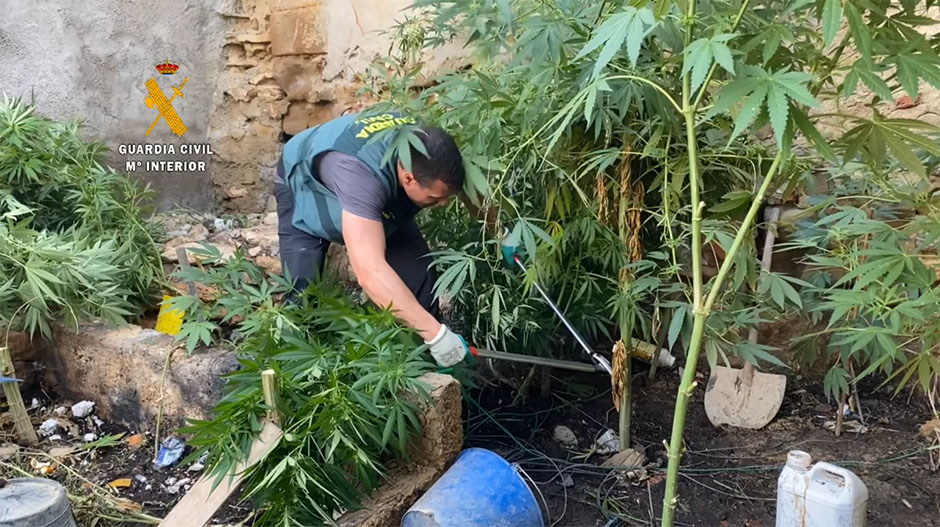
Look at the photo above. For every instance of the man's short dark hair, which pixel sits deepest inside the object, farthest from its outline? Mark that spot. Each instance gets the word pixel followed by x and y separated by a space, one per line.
pixel 443 163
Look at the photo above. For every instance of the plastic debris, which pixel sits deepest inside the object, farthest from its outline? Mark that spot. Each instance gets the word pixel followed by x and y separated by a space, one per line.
pixel 34 404
pixel 83 409
pixel 171 450
pixel 55 437
pixel 46 468
pixel 135 440
pixel 98 422
pixel 608 442
pixel 121 483
pixel 141 478
pixel 566 480
pixel 565 435
pixel 60 411
pixel 89 437
pixel 48 427
pixel 176 486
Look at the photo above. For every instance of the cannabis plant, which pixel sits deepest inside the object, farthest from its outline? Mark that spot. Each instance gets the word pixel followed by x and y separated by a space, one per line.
pixel 631 145
pixel 349 387
pixel 73 241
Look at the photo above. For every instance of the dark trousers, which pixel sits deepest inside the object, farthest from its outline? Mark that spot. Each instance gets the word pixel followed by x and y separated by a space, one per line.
pixel 303 255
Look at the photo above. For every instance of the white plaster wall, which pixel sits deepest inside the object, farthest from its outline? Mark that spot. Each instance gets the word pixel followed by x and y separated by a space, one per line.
pixel 90 59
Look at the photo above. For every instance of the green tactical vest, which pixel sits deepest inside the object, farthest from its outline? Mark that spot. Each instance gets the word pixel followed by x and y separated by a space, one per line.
pixel 316 208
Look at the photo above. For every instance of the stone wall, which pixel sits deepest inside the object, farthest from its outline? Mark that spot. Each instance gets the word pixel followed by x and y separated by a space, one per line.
pixel 290 65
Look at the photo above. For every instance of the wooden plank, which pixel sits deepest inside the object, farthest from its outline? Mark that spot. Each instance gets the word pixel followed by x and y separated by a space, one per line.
pixel 21 422
pixel 198 506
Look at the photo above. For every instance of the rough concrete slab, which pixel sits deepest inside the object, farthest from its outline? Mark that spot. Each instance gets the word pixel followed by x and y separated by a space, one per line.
pixel 120 369
pixel 431 454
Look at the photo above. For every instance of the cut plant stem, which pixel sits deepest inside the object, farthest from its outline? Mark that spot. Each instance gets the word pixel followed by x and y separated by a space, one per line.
pixel 626 402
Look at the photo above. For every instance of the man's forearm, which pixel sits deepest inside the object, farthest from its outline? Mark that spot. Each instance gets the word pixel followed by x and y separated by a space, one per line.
pixel 385 288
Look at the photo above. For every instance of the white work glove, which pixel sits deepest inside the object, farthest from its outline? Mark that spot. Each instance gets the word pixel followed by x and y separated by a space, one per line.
pixel 448 348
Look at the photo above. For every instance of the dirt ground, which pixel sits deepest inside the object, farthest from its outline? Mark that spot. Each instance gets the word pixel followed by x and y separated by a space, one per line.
pixel 728 476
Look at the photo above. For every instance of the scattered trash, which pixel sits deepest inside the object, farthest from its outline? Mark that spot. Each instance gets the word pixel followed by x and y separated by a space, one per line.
pixel 177 485
pixel 608 442
pixel 60 411
pixel 8 451
pixel 566 481
pixel 628 459
pixel 565 436
pixel 46 468
pixel 200 463
pixel 61 452
pixel 122 483
pixel 141 478
pixel 89 437
pixel 55 437
pixel 135 440
pixel 98 422
pixel 83 409
pixel 48 427
pixel 169 481
pixel 34 404
pixel 171 450
pixel 847 426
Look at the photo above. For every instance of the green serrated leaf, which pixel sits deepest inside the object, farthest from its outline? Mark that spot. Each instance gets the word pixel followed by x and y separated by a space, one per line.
pixel 831 20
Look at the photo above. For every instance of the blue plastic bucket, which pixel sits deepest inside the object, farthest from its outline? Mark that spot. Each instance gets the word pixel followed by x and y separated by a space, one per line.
pixel 481 489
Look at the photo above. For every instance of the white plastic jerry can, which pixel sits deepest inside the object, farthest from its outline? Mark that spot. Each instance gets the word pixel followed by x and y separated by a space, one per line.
pixel 820 495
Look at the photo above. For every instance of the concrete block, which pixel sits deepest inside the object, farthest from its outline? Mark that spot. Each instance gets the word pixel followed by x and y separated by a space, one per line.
pixel 300 31
pixel 432 453
pixel 120 370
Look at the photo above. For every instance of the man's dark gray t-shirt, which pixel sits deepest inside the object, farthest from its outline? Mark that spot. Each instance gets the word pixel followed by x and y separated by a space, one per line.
pixel 359 191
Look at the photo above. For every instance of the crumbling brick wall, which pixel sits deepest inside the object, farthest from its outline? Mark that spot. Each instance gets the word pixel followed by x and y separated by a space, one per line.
pixel 289 65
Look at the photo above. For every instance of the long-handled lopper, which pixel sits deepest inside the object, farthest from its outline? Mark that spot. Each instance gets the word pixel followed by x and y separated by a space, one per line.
pixel 601 362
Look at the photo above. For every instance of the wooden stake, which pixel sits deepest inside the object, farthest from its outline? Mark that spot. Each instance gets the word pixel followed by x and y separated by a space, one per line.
pixel 270 389
pixel 840 414
pixel 21 422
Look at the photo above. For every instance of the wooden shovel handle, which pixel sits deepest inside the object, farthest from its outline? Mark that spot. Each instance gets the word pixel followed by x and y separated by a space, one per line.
pixel 771 215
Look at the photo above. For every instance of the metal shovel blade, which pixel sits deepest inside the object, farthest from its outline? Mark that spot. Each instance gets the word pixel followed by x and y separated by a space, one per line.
pixel 747 398
pixel 731 398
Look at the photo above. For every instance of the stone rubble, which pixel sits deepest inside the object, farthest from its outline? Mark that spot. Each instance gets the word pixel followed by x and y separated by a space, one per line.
pixel 83 409
pixel 254 234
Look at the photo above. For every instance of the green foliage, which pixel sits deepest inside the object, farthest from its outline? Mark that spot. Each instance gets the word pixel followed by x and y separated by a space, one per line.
pixel 348 389
pixel 73 243
pixel 870 283
pixel 564 98
pixel 571 106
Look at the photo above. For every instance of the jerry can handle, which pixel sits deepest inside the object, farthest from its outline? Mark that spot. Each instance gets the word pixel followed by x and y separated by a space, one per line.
pixel 816 473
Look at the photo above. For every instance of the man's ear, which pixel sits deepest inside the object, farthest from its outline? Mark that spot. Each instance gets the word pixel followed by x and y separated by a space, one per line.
pixel 406 175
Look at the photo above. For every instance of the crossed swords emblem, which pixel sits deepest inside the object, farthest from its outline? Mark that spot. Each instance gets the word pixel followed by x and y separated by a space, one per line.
pixel 158 100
